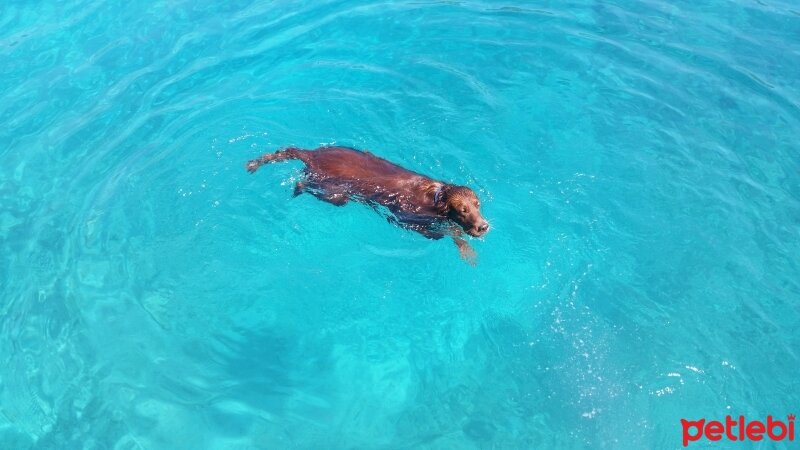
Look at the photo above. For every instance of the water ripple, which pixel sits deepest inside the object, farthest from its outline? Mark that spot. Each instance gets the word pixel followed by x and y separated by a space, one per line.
pixel 637 160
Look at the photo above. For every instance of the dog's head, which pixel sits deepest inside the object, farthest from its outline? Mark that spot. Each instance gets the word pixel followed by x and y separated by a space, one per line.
pixel 461 205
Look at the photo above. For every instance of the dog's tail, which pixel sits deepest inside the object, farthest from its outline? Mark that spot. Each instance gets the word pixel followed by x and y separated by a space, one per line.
pixel 279 156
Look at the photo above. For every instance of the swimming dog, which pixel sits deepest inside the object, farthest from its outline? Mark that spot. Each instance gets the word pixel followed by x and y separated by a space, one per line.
pixel 416 202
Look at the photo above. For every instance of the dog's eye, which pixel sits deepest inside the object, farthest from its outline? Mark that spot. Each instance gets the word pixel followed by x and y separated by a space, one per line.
pixel 464 209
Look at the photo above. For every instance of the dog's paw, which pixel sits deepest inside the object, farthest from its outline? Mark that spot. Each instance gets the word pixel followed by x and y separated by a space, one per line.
pixel 468 254
pixel 252 165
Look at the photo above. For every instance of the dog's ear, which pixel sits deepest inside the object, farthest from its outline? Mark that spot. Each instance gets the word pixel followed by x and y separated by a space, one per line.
pixel 441 200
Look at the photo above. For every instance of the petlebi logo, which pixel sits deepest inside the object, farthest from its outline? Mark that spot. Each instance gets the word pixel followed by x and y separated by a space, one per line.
pixel 738 430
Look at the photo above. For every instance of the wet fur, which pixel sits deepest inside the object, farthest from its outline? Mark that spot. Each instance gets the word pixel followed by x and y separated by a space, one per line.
pixel 430 207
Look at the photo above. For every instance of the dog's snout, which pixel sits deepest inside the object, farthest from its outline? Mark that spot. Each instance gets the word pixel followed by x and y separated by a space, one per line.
pixel 483 227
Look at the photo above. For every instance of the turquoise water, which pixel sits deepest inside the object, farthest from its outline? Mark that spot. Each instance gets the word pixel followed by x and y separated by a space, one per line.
pixel 638 161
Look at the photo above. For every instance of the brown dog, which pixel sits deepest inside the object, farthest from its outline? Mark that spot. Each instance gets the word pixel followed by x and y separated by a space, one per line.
pixel 427 206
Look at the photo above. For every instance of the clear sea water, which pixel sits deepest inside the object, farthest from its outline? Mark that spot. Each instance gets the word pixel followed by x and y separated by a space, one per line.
pixel 638 161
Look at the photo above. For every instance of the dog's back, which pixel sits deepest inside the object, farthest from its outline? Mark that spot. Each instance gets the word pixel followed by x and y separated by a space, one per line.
pixel 354 166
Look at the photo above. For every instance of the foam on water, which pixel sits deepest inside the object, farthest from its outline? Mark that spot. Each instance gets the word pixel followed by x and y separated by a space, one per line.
pixel 638 162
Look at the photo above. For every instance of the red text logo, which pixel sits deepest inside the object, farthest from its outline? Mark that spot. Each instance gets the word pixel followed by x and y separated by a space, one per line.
pixel 738 430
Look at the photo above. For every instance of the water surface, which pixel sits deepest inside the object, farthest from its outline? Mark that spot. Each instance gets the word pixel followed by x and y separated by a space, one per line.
pixel 638 161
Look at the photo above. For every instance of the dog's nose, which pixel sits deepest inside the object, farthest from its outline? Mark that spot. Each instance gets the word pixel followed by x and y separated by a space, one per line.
pixel 483 227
